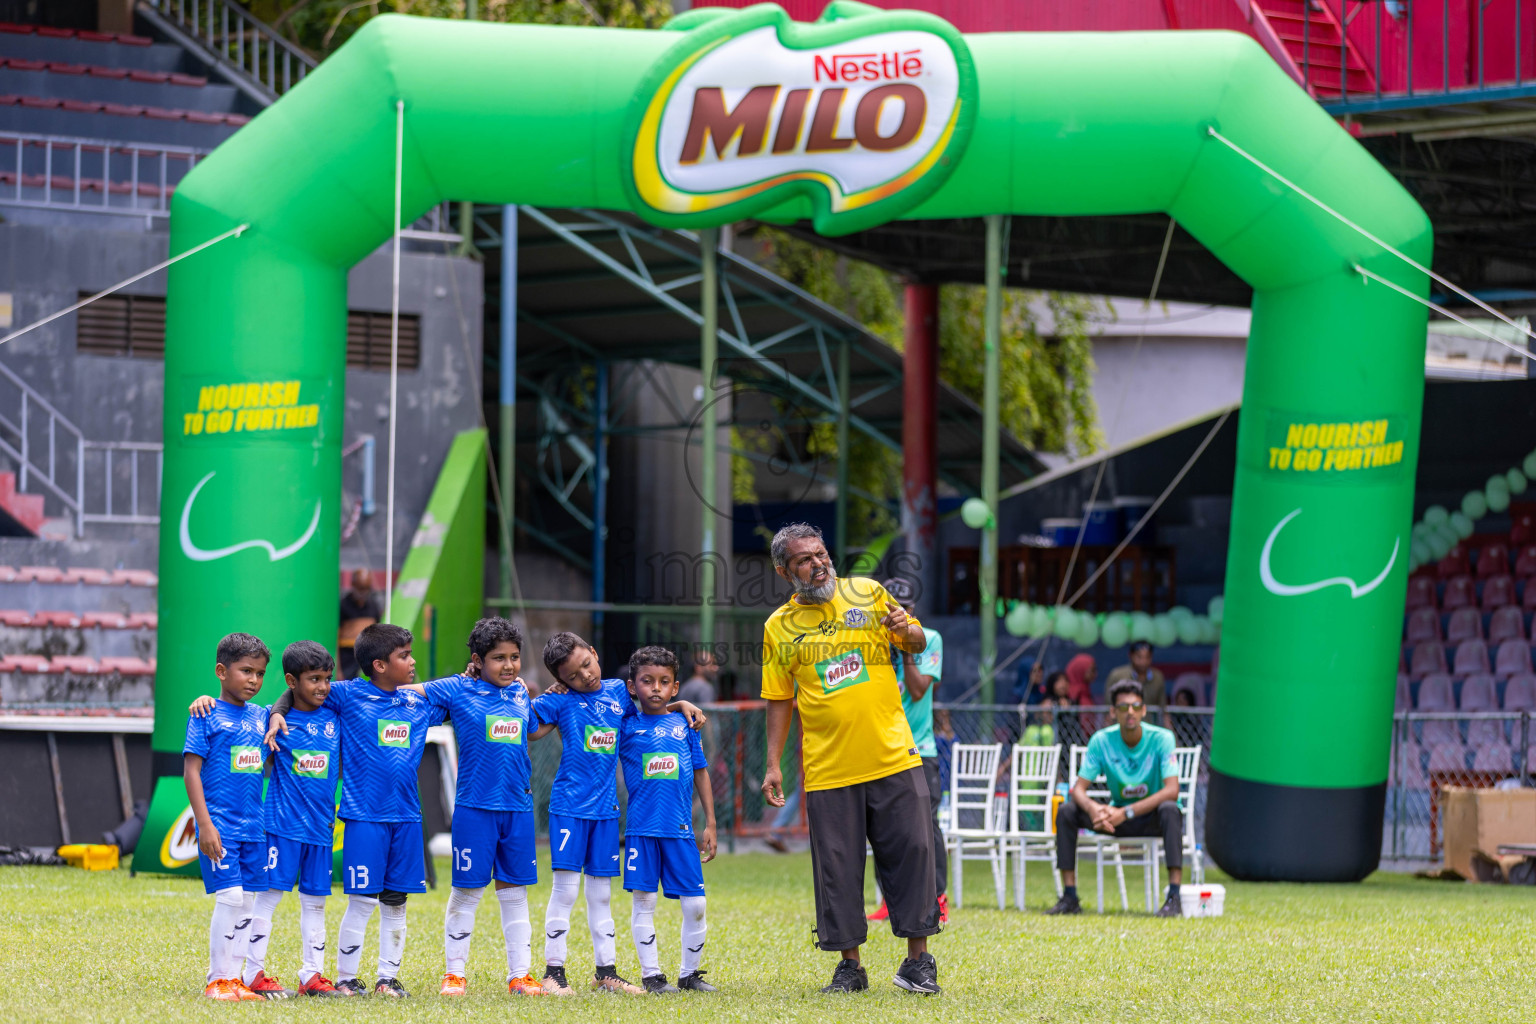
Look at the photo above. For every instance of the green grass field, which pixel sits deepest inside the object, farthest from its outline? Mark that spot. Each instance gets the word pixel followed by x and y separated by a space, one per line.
pixel 103 946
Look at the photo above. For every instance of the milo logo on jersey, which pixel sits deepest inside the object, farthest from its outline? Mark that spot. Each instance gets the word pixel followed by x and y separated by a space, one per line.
pixel 602 741
pixel 245 759
pixel 842 671
pixel 503 729
pixel 661 766
pixel 394 734
pixel 312 764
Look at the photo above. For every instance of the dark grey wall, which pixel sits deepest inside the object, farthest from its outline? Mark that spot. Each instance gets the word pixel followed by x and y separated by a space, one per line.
pixel 46 266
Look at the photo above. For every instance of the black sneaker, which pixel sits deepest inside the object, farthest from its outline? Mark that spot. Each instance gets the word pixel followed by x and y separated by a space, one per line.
pixel 1068 904
pixel 920 975
pixel 1172 907
pixel 848 977
pixel 695 983
pixel 554 981
pixel 390 987
pixel 607 979
pixel 351 987
pixel 657 985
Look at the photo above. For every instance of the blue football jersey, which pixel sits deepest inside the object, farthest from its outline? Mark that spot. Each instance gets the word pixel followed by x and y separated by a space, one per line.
pixel 383 736
pixel 660 753
pixel 586 783
pixel 491 724
pixel 301 800
pixel 228 739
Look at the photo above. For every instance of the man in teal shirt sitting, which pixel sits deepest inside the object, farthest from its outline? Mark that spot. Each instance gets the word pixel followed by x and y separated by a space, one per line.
pixel 1142 776
pixel 918 676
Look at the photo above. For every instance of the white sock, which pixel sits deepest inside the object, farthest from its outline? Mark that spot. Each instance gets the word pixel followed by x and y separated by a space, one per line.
pixel 557 916
pixel 349 940
pixel 516 930
pixel 600 919
pixel 458 927
pixel 694 930
pixel 237 946
pixel 391 940
pixel 222 933
pixel 312 931
pixel 262 909
pixel 642 925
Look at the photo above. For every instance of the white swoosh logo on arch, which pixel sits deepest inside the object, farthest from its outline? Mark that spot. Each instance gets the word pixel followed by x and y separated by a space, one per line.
pixel 274 553
pixel 1274 586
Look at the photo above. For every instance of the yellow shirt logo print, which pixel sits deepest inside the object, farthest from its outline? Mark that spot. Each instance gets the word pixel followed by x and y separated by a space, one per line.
pixel 841 671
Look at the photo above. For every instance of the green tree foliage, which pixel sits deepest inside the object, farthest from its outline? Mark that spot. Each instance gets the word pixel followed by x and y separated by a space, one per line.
pixel 320 26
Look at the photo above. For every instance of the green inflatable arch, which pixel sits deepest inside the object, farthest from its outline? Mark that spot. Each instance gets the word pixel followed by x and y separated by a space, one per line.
pixel 862 117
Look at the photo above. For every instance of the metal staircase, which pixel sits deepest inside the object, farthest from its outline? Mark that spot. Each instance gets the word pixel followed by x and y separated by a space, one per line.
pixel 244 48
pixel 1310 41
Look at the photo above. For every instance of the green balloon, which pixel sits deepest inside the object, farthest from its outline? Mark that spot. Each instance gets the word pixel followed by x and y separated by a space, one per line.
pixel 1421 529
pixel 1117 629
pixel 1164 632
pixel 1439 547
pixel 1016 622
pixel 1474 505
pixel 1419 550
pixel 1463 525
pixel 1517 481
pixel 1066 622
pixel 1040 621
pixel 975 513
pixel 1528 467
pixel 1141 626
pixel 1209 631
pixel 1436 514
pixel 1216 608
pixel 1498 498
pixel 1188 629
pixel 1180 611
pixel 1087 631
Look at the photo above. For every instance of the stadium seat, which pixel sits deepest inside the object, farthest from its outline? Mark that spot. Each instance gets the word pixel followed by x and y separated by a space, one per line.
pixel 1410 766
pixel 144 620
pixel 1404 694
pixel 1520 693
pixel 1513 659
pixel 1471 658
pixel 26 663
pixel 1428 659
pixel 1459 593
pixel 104 620
pixel 1479 693
pixel 128 666
pixel 1498 592
pixel 1485 732
pixel 1465 624
pixel 15 617
pixel 1449 756
pixel 75 664
pixel 1507 624
pixel 1525 561
pixel 39 574
pixel 60 620
pixel 1493 560
pixel 135 577
pixel 1435 696
pixel 1422 624
pixel 1455 563
pixel 1494 759
pixel 1522 528
pixel 1421 592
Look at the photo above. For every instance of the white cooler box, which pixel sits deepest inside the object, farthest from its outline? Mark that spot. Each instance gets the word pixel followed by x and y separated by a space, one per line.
pixel 1202 900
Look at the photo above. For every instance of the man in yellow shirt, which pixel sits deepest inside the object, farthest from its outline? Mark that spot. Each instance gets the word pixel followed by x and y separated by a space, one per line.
pixel 828 650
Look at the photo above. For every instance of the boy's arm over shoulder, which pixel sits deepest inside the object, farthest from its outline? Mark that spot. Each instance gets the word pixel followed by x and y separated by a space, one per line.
pixel 696 750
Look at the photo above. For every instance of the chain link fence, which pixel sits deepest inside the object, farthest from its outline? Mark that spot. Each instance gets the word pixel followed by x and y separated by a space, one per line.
pixel 1430 751
pixel 1435 750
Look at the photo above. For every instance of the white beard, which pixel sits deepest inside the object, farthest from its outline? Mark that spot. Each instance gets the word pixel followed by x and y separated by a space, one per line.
pixel 821 594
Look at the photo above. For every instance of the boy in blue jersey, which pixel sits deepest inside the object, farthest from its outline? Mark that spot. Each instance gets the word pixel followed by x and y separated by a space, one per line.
pixel 222 761
pixel 493 828
pixel 301 821
pixel 383 734
pixel 584 804
pixel 663 765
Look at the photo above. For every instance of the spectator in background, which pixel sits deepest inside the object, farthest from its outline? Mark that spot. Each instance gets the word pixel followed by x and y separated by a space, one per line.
pixel 359 609
pixel 1029 683
pixel 700 687
pixel 944 744
pixel 1082 670
pixel 918 676
pixel 1153 686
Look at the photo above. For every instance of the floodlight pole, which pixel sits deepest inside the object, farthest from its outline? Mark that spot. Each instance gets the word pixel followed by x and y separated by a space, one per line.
pixel 709 261
pixel 507 398
pixel 987 584
pixel 840 514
